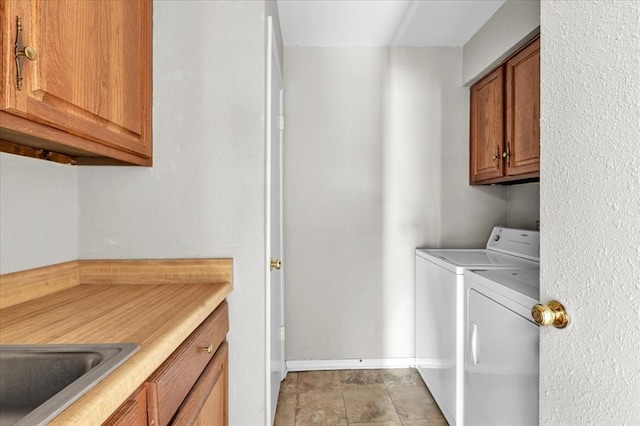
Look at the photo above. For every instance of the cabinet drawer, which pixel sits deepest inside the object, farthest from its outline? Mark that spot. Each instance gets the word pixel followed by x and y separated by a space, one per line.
pixel 206 404
pixel 169 385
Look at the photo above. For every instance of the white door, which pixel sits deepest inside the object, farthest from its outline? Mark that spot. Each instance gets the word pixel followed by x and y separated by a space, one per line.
pixel 590 211
pixel 275 294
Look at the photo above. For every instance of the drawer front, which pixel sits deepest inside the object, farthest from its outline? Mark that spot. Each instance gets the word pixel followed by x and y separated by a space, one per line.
pixel 169 385
pixel 206 404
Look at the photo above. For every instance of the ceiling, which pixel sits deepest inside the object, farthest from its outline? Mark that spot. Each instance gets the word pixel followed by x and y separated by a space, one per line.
pixel 382 22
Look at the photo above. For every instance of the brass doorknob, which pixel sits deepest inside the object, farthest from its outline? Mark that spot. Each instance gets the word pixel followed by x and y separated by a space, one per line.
pixel 276 264
pixel 553 313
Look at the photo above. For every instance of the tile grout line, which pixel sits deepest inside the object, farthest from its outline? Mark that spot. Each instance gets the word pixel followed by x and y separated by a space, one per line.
pixel 389 394
pixel 344 403
pixel 295 410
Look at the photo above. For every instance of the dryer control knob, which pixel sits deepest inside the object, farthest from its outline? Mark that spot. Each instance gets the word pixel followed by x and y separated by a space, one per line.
pixel 553 313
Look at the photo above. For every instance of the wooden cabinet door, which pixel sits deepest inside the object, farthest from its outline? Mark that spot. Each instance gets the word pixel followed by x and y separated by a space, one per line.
pixel 206 404
pixel 523 111
pixel 173 382
pixel 92 75
pixel 487 127
pixel 133 412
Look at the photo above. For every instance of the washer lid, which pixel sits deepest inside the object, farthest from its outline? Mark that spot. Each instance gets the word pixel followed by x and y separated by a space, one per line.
pixel 469 258
pixel 457 261
pixel 524 281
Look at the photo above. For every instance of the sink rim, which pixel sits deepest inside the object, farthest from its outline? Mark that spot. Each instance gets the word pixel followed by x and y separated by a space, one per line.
pixel 114 355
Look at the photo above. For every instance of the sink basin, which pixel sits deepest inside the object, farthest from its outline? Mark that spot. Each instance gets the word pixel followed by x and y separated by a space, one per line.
pixel 37 382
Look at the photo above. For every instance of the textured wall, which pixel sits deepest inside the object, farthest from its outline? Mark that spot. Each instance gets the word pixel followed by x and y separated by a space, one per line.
pixel 376 164
pixel 38 213
pixel 204 196
pixel 590 198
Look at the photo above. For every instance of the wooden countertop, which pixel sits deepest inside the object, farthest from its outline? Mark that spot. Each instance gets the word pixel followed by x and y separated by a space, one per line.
pixel 106 307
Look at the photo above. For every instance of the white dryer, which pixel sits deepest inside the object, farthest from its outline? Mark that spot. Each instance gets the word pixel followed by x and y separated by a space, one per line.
pixel 502 347
pixel 439 308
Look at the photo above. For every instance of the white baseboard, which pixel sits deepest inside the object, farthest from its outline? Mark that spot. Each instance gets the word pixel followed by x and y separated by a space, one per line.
pixel 349 364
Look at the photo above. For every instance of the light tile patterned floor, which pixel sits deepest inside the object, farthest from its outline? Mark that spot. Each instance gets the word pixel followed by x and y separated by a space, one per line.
pixel 395 397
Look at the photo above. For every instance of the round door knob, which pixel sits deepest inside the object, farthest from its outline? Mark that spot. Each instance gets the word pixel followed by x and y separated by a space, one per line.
pixel 276 263
pixel 553 313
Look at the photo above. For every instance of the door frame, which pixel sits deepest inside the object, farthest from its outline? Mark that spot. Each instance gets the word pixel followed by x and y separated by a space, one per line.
pixel 272 57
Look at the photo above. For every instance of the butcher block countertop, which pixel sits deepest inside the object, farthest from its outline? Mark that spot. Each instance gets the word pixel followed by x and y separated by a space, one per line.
pixel 154 303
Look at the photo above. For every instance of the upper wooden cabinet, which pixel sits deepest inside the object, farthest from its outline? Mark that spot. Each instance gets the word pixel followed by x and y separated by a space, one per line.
pixel 487 127
pixel 523 111
pixel 86 97
pixel 505 121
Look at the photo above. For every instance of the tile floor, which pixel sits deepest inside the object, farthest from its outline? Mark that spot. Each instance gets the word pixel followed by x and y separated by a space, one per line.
pixel 395 397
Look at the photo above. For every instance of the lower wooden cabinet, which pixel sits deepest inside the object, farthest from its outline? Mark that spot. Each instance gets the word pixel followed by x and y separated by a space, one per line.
pixel 171 384
pixel 206 404
pixel 133 412
pixel 190 387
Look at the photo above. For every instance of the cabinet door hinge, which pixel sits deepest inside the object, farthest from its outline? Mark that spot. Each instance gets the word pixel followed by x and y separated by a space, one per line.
pixel 281 333
pixel 281 122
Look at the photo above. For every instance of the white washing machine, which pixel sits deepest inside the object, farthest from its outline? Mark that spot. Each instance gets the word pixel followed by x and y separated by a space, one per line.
pixel 440 308
pixel 501 347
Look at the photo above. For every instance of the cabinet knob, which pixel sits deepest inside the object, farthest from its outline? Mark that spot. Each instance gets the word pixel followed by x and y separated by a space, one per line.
pixel 497 156
pixel 29 53
pixel 507 154
pixel 553 313
pixel 207 349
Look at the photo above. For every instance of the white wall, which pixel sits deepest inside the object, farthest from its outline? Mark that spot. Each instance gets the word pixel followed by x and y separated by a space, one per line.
pixel 333 201
pixel 523 205
pixel 272 10
pixel 507 30
pixel 468 212
pixel 38 213
pixel 590 186
pixel 205 195
pixel 376 164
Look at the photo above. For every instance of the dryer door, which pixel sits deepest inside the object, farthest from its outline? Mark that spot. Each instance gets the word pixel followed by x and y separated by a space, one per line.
pixel 501 365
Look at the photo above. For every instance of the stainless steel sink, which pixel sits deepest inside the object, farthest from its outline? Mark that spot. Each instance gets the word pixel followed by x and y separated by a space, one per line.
pixel 37 382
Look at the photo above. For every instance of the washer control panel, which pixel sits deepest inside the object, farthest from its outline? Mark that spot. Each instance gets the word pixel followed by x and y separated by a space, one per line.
pixel 518 242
